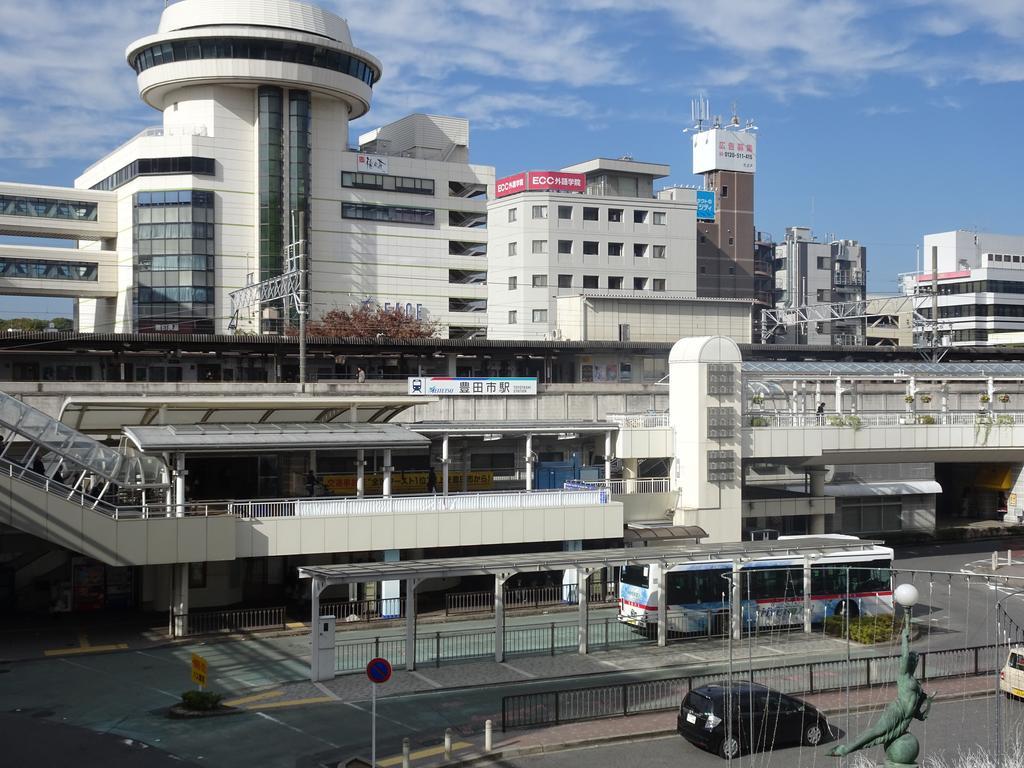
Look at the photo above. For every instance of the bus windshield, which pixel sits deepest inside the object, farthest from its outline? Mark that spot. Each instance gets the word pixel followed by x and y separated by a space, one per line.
pixel 635 575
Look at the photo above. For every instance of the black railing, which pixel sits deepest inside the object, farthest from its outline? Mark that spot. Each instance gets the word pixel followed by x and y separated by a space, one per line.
pixel 572 704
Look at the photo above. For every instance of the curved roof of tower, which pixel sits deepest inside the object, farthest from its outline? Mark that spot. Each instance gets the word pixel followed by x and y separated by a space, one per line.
pixel 283 14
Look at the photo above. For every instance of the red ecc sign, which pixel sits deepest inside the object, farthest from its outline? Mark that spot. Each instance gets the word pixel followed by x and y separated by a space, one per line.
pixel 548 181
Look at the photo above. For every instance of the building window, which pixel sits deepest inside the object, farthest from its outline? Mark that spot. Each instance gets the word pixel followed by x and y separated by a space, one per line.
pixel 640 250
pixel 467 305
pixel 823 295
pixel 703 238
pixel 513 215
pixel 658 252
pixel 513 283
pixel 590 281
pixel 540 315
pixel 639 283
pixel 590 214
pixel 391 214
pixel 731 240
pixel 540 246
pixel 513 249
pixel 623 331
pixel 565 281
pixel 157 166
pixel 615 283
pixel 640 217
pixel 49 270
pixel 408 184
pixel 591 248
pixel 565 247
pixel 467 277
pixel 540 281
pixel 615 215
pixel 540 211
pixel 658 284
pixel 725 190
pixel 513 317
pixel 565 212
pixel 614 249
pixel 659 218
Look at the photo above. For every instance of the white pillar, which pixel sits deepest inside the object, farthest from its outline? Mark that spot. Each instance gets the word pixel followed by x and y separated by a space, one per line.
pixel 663 605
pixel 630 469
pixel 817 475
pixel 387 471
pixel 445 461
pixel 582 595
pixel 499 615
pixel 360 473
pixel 839 395
pixel 410 623
pixel 316 586
pixel 179 599
pixel 608 455
pixel 817 395
pixel 390 590
pixel 735 602
pixel 179 484
pixel 529 462
pixel 807 594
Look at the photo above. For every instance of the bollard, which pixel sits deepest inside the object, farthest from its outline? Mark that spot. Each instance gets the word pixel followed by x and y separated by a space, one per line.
pixel 405 752
pixel 488 736
pixel 447 743
pixel 995 560
pixel 1009 557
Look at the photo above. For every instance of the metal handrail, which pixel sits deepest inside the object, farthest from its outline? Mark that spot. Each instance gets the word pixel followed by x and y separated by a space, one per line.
pixel 648 419
pixel 884 419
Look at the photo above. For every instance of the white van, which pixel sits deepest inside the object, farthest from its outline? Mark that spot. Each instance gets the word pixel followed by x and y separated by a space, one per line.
pixel 1011 677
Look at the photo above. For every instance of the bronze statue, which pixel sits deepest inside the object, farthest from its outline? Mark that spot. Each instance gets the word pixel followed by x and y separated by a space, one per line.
pixel 891 728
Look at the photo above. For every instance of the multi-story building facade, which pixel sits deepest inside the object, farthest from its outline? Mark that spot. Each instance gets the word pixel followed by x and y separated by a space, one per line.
pixel 595 225
pixel 810 272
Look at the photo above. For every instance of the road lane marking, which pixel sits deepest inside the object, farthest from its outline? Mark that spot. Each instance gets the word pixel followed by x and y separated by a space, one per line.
pixel 253 698
pixel 424 679
pixel 326 691
pixel 297 730
pixel 522 672
pixel 86 649
pixel 296 702
pixel 382 717
pixel 419 754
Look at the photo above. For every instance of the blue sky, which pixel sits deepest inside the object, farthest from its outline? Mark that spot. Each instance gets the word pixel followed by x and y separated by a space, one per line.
pixel 879 121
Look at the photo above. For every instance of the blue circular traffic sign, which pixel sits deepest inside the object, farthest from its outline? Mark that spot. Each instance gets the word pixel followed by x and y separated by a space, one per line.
pixel 378 670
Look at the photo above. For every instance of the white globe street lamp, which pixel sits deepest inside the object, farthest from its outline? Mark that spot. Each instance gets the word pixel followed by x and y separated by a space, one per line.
pixel 906 595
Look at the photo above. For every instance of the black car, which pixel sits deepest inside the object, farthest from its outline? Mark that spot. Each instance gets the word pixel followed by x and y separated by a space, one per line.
pixel 762 719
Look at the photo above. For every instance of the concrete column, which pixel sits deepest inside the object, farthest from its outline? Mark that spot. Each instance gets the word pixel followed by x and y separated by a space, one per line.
pixel 663 605
pixel 360 473
pixel 499 616
pixel 445 461
pixel 817 395
pixel 630 469
pixel 179 484
pixel 582 599
pixel 608 455
pixel 839 395
pixel 807 594
pixel 529 462
pixel 817 476
pixel 736 602
pixel 390 590
pixel 179 599
pixel 387 471
pixel 410 623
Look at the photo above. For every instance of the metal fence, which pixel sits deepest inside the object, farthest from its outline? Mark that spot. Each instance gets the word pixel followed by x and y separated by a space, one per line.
pixel 535 639
pixel 365 610
pixel 562 706
pixel 235 620
pixel 525 597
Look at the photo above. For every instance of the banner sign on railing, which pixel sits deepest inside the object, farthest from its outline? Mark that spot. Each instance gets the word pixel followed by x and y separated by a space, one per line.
pixel 452 385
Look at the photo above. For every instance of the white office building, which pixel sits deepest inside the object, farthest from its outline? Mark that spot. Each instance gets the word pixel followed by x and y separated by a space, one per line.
pixel 598 225
pixel 251 164
pixel 980 279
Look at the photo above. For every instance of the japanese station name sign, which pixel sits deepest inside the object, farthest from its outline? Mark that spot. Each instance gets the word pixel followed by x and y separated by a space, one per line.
pixel 441 385
pixel 540 181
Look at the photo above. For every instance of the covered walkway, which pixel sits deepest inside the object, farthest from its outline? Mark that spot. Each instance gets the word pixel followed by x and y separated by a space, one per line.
pixel 584 563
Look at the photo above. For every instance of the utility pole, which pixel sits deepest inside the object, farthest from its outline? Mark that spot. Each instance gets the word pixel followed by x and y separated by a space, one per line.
pixel 935 304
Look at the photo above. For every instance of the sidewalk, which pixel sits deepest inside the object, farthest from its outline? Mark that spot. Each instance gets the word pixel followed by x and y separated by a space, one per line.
pixel 558 738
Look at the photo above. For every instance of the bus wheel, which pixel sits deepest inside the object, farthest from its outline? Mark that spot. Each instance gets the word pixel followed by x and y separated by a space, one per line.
pixel 848 609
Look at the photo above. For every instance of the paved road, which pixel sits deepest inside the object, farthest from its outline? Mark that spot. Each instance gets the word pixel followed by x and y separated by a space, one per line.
pixel 951 727
pixel 126 693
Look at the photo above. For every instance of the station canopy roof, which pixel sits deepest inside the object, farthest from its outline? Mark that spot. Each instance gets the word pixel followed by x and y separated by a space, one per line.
pixel 513 427
pixel 107 415
pixel 234 438
pixel 670 554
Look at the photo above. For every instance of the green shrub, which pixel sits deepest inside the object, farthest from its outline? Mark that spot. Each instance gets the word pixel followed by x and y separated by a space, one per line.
pixel 1004 419
pixel 836 421
pixel 926 419
pixel 866 630
pixel 854 421
pixel 201 701
pixel 758 421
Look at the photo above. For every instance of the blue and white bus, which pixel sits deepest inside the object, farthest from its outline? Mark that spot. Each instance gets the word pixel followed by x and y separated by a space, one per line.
pixel 771 590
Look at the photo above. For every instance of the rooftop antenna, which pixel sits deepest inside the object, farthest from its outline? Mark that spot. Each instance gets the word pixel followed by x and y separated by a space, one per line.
pixel 700 113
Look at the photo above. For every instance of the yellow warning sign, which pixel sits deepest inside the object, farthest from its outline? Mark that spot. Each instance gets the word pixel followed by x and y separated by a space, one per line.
pixel 199 668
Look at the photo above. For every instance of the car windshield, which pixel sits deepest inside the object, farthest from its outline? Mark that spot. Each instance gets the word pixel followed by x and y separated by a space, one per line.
pixel 635 575
pixel 1016 661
